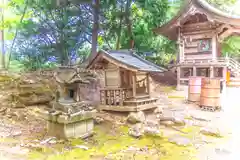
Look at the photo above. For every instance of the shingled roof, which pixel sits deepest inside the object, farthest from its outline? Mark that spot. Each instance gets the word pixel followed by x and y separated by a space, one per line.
pixel 191 7
pixel 126 59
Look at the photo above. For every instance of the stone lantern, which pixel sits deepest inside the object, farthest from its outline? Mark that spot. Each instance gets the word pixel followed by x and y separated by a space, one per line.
pixel 69 117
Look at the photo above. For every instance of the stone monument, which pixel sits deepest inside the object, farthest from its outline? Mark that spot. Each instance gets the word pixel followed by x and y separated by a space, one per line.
pixel 69 116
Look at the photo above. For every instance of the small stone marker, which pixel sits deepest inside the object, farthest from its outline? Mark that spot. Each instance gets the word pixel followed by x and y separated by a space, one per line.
pixel 152 127
pixel 180 140
pixel 136 130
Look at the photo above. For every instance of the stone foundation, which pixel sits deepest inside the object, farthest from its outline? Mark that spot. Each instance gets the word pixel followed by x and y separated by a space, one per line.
pixel 77 125
pixel 81 129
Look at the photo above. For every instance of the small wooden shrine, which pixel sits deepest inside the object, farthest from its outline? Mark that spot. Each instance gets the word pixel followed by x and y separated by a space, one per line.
pixel 127 86
pixel 199 28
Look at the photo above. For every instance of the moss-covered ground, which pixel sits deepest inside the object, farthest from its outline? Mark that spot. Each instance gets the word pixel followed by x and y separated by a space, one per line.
pixel 113 142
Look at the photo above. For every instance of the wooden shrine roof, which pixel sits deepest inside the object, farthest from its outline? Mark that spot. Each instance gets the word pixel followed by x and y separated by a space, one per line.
pixel 126 59
pixel 191 7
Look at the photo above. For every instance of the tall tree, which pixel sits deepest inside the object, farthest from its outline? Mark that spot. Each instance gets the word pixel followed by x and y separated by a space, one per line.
pixel 129 23
pixel 96 8
pixel 55 31
pixel 119 28
pixel 2 35
pixel 16 33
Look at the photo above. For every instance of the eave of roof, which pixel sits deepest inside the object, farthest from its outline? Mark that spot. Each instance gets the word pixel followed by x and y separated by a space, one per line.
pixel 129 66
pixel 169 29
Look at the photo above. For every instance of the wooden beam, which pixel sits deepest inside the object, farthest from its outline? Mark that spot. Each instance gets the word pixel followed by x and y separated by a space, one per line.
pixel 198 32
pixel 228 33
pixel 220 29
pixel 225 34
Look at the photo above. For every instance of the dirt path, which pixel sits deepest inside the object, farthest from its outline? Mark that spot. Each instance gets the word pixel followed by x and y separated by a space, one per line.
pixel 10 143
pixel 227 121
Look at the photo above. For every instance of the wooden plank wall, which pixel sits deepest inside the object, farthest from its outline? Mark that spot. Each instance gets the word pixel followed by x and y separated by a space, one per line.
pixel 192 34
pixel 112 76
pixel 191 50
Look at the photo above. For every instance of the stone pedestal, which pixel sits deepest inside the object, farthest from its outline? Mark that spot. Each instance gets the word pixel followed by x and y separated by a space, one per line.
pixel 77 125
pixel 80 129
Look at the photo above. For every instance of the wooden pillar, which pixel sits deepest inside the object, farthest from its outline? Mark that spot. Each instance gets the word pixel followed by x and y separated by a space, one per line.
pixel 206 72
pixel 121 97
pixel 211 72
pixel 78 93
pixel 105 78
pixel 180 46
pixel 178 78
pixel 194 71
pixel 148 83
pixel 103 97
pixel 214 47
pixel 134 79
pixel 120 78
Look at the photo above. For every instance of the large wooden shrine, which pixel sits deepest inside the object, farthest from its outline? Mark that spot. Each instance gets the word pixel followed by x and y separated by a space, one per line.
pixel 199 28
pixel 127 86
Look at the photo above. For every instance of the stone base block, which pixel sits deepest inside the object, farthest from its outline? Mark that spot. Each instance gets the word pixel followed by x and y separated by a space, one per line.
pixel 81 129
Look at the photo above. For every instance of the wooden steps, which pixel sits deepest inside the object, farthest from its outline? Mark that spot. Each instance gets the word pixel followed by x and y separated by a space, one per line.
pixel 140 96
pixel 140 102
pixel 234 82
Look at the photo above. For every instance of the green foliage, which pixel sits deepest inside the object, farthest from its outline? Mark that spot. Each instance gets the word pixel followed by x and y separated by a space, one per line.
pixel 231 46
pixel 66 29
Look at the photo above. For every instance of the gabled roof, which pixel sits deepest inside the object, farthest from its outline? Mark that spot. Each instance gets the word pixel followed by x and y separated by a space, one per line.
pixel 126 59
pixel 190 7
pixel 68 75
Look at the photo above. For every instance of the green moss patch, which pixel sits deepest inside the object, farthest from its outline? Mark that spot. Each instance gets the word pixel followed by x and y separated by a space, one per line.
pixel 176 97
pixel 116 145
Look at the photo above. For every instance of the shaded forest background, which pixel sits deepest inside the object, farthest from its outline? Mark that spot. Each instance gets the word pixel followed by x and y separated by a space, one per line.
pixel 47 33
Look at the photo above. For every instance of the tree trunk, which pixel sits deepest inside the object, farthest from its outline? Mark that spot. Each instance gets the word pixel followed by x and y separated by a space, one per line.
pixel 2 36
pixel 15 35
pixel 119 30
pixel 129 23
pixel 96 5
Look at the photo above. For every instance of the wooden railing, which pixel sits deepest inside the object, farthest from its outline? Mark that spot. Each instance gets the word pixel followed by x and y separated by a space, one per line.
pixel 221 60
pixel 114 96
pixel 230 62
pixel 233 65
